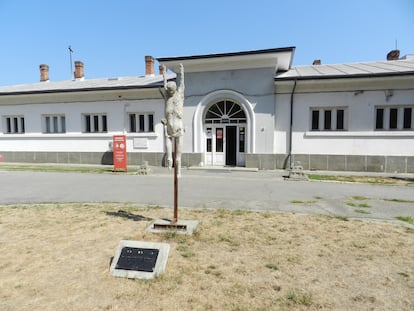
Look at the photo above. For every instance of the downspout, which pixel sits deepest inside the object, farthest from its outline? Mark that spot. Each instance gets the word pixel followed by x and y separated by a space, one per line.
pixel 291 125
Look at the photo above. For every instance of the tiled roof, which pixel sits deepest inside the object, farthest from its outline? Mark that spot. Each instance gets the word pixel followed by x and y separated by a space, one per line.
pixel 396 67
pixel 85 85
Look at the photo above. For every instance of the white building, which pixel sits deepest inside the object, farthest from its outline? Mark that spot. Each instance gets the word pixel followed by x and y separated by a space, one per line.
pixel 248 109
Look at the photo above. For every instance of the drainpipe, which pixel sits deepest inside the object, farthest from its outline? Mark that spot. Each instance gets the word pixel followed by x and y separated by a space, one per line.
pixel 291 125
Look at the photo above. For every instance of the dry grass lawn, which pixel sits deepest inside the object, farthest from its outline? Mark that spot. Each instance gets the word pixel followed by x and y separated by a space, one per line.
pixel 56 257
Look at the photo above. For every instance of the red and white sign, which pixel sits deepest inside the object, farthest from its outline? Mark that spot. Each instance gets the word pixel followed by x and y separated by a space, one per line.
pixel 120 152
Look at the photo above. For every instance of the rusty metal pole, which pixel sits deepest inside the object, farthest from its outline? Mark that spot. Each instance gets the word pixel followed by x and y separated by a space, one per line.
pixel 175 219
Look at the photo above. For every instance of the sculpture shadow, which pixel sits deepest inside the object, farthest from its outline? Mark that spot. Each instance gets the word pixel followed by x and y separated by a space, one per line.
pixel 107 158
pixel 128 215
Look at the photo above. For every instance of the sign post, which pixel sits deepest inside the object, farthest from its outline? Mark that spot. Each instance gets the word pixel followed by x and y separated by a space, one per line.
pixel 120 152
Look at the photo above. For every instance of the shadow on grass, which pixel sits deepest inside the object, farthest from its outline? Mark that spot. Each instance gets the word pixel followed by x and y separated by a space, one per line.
pixel 128 215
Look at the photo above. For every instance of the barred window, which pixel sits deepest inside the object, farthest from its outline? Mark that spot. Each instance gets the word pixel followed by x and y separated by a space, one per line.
pixel 394 118
pixel 95 123
pixel 328 119
pixel 141 122
pixel 14 125
pixel 54 124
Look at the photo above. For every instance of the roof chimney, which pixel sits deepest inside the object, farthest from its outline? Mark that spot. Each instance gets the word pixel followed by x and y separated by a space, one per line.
pixel 393 55
pixel 317 62
pixel 79 70
pixel 44 73
pixel 149 65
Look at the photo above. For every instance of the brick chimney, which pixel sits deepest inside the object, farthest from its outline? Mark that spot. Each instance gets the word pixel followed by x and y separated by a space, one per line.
pixel 149 65
pixel 79 70
pixel 393 55
pixel 44 73
pixel 317 62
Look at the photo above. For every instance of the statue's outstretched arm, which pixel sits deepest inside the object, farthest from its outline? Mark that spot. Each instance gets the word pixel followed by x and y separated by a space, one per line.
pixel 164 74
pixel 182 78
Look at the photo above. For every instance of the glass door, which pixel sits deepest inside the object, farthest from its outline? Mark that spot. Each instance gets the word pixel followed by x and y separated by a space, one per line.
pixel 225 134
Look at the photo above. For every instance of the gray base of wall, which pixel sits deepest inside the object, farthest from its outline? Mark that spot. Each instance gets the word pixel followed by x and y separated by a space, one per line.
pixel 356 163
pixel 106 158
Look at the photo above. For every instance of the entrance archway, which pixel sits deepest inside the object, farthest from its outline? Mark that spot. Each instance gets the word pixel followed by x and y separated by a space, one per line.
pixel 207 116
pixel 225 134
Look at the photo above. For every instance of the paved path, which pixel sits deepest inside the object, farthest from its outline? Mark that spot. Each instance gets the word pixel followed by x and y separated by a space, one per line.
pixel 263 190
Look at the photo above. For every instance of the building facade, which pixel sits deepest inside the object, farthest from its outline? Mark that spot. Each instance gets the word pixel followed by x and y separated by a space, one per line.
pixel 249 109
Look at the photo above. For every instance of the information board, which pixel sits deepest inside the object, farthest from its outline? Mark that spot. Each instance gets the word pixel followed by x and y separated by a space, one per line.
pixel 120 152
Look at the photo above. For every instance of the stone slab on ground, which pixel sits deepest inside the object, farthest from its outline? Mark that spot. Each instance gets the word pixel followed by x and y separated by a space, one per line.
pixel 160 263
pixel 191 226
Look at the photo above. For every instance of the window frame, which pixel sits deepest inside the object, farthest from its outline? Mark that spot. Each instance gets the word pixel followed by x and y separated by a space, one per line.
pixel 140 122
pixel 54 123
pixel 394 118
pixel 328 119
pixel 14 124
pixel 93 123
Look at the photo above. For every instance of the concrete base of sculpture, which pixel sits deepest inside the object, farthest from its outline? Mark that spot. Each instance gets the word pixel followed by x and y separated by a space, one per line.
pixel 181 227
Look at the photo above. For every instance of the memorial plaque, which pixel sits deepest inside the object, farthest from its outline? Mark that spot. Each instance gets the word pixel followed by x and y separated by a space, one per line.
pixel 138 259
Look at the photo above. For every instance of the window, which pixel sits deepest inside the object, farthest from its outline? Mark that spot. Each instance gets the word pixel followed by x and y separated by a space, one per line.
pixel 219 139
pixel 14 125
pixel 209 139
pixel 95 123
pixel 225 111
pixel 340 117
pixel 394 118
pixel 315 120
pixel 327 122
pixel 54 124
pixel 379 122
pixel 408 116
pixel 141 122
pixel 242 136
pixel 328 119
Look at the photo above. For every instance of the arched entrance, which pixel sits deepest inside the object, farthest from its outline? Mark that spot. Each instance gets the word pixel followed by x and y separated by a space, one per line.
pixel 225 124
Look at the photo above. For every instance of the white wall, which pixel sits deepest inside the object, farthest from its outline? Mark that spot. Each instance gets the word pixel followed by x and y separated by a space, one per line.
pixel 282 124
pixel 360 138
pixel 254 88
pixel 74 140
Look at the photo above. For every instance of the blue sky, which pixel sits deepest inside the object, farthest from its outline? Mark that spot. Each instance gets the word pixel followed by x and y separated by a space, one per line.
pixel 112 37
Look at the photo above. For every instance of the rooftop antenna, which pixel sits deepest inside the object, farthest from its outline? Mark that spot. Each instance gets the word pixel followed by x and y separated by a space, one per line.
pixel 70 59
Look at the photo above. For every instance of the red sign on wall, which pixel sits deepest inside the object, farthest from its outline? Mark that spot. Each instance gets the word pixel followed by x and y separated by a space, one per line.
pixel 120 152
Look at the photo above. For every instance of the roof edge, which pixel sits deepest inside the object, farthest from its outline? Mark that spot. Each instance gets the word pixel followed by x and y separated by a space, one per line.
pixel 343 76
pixel 91 89
pixel 206 56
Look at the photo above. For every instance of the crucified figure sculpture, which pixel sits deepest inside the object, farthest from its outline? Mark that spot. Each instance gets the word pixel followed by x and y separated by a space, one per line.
pixel 173 122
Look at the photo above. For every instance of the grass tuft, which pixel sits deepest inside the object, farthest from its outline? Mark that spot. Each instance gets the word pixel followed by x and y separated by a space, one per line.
pixel 343 218
pixel 408 219
pixel 272 266
pixel 296 297
pixel 399 200
pixel 360 179
pixel 359 198
pixel 303 201
pixel 361 211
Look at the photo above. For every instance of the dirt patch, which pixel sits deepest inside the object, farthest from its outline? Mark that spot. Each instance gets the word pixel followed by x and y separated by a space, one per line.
pixel 56 257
